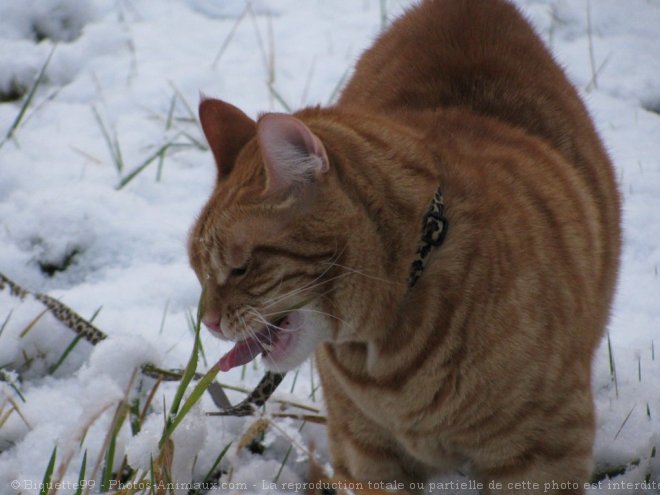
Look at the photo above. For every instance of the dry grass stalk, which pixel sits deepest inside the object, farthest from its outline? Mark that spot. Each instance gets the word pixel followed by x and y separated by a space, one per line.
pixel 255 429
pixel 162 473
pixel 64 465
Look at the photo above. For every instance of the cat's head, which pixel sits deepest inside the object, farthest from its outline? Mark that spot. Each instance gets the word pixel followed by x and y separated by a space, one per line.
pixel 265 247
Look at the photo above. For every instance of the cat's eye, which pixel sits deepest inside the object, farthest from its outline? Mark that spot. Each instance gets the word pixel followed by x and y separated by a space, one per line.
pixel 238 272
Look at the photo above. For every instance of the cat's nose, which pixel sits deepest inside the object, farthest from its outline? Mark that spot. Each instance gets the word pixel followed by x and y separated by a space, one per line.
pixel 211 321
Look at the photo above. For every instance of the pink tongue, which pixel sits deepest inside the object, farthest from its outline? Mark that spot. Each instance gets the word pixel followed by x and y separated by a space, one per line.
pixel 242 353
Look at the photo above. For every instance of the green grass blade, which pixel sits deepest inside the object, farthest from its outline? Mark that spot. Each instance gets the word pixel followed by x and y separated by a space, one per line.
pixel 187 377
pixel 168 126
pixel 311 379
pixel 286 458
pixel 64 355
pixel 279 98
pixel 625 421
pixel 164 317
pixel 18 392
pixel 112 144
pixel 175 417
pixel 209 476
pixel 82 482
pixel 191 113
pixel 96 313
pixel 192 325
pixel 295 379
pixel 164 413
pixel 152 477
pixel 652 351
pixel 48 475
pixel 120 416
pixel 140 168
pixel 118 155
pixel 229 37
pixel 195 395
pixel 170 112
pixel 107 467
pixel 612 366
pixel 42 103
pixel 195 142
pixel 135 422
pixel 161 165
pixel 104 130
pixel 7 378
pixel 150 159
pixel 28 99
pixel 4 323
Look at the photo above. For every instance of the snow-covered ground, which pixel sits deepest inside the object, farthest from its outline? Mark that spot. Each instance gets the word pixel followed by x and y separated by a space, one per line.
pixel 121 88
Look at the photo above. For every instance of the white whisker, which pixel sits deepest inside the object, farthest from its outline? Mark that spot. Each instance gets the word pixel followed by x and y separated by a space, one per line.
pixel 359 272
pixel 305 288
pixel 330 260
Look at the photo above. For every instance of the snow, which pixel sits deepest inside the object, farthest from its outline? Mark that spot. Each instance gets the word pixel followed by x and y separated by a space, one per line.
pixel 120 68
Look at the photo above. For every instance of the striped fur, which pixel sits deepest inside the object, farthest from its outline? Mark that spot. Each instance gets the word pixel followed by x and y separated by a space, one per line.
pixel 487 360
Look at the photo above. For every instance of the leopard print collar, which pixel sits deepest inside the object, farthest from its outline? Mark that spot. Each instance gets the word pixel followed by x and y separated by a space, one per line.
pixel 434 231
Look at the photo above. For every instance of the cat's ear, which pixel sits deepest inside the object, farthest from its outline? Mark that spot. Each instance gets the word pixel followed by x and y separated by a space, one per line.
pixel 293 155
pixel 227 130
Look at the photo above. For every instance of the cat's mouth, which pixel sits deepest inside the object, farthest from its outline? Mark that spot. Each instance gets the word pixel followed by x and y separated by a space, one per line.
pixel 273 342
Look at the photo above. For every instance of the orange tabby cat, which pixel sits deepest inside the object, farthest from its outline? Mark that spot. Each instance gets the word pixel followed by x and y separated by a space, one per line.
pixel 308 239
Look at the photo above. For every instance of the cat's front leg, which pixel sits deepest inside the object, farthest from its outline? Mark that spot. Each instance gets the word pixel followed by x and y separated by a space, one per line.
pixel 360 449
